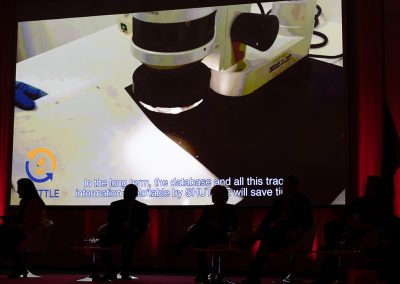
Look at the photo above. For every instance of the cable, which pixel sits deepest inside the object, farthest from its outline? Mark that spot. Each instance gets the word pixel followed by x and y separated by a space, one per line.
pixel 261 8
pixel 326 56
pixel 319 34
pixel 319 12
pixel 324 40
pixel 323 37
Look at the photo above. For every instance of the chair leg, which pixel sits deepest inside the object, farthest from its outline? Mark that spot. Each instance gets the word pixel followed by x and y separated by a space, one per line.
pixel 215 275
pixel 290 278
pixel 31 275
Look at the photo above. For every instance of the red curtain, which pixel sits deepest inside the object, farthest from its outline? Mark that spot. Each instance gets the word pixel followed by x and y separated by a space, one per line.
pixel 392 87
pixel 374 25
pixel 392 59
pixel 368 52
pixel 7 59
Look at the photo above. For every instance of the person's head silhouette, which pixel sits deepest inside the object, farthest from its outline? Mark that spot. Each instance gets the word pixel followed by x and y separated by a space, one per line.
pixel 219 194
pixel 26 190
pixel 290 184
pixel 130 192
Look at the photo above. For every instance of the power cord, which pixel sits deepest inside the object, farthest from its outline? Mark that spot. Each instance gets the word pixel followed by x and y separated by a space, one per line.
pixel 262 8
pixel 321 35
pixel 324 38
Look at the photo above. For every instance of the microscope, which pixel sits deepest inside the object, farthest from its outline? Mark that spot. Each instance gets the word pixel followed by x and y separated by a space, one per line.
pixel 228 49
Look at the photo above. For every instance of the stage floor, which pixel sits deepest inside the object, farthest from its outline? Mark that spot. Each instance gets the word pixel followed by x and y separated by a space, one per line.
pixel 150 279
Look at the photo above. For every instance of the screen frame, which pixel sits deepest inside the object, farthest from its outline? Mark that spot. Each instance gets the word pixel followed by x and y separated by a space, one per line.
pixel 47 9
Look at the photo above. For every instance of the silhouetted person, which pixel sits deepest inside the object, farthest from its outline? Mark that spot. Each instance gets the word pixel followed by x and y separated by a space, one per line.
pixel 367 214
pixel 215 226
pixel 127 220
pixel 388 251
pixel 15 229
pixel 289 216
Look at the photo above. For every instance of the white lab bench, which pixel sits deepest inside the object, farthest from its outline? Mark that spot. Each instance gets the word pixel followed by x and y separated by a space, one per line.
pixel 92 125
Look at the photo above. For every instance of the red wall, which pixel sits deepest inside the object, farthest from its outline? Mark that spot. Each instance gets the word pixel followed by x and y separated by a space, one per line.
pixel 391 46
pixel 372 61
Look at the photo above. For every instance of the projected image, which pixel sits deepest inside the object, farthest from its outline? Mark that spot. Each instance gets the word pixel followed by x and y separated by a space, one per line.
pixel 179 101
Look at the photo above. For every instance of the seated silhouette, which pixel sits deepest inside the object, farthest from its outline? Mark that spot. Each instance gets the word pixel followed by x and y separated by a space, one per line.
pixel 15 229
pixel 368 226
pixel 289 217
pixel 214 226
pixel 127 221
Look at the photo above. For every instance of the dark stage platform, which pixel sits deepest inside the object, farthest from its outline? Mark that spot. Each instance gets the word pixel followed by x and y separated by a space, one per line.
pixel 65 278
